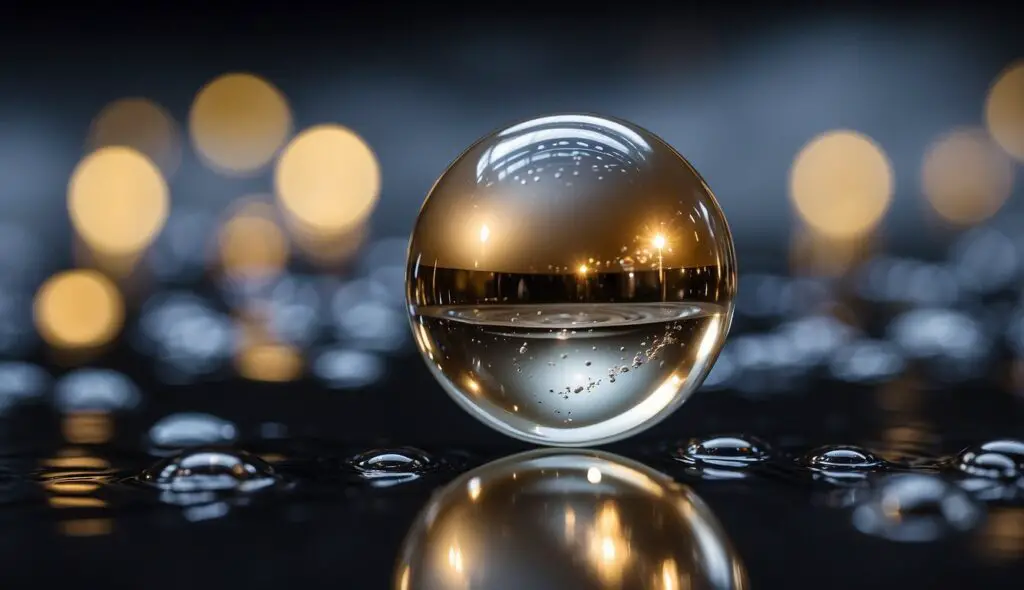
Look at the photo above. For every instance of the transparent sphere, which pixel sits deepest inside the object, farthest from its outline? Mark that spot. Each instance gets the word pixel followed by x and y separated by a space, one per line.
pixel 571 280
pixel 553 520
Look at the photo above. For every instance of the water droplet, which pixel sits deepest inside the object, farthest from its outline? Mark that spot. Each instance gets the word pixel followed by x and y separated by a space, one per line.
pixel 387 467
pixel 913 507
pixel 205 470
pixel 522 349
pixel 842 460
pixel 997 459
pixel 587 363
pixel 737 451
pixel 191 429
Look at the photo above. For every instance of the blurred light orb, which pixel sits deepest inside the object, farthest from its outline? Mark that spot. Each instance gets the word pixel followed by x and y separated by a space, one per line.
pixel 118 201
pixel 1004 110
pixel 841 184
pixel 140 124
pixel 78 309
pixel 966 178
pixel 570 280
pixel 251 242
pixel 327 180
pixel 238 122
pixel 547 520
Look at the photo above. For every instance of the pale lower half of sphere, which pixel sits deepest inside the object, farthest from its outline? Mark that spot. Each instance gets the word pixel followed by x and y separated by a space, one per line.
pixel 551 520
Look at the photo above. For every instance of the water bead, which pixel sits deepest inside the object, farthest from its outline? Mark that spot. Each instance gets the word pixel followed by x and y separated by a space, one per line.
pixel 570 233
pixel 548 519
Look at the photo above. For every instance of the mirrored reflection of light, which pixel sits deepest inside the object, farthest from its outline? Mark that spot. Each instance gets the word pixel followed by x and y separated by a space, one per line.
pixel 1004 109
pixel 916 508
pixel 118 201
pixel 327 180
pixel 86 527
pixel 95 390
pixel 78 309
pixel 343 368
pixel 252 244
pixel 142 125
pixel 841 184
pixel 966 177
pixel 238 122
pixel 88 427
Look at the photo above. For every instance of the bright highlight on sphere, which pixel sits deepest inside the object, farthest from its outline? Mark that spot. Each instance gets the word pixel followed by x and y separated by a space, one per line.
pixel 841 184
pixel 78 309
pixel 118 200
pixel 327 180
pixel 238 122
pixel 570 280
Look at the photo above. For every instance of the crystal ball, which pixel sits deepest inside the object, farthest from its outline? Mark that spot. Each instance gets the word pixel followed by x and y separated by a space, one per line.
pixel 554 519
pixel 570 280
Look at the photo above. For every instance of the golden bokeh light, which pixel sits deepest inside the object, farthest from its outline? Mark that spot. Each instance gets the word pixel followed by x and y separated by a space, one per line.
pixel 252 243
pixel 142 125
pixel 87 428
pixel 238 122
pixel 329 251
pixel 78 309
pixel 1004 109
pixel 327 180
pixel 841 184
pixel 118 200
pixel 965 177
pixel 262 358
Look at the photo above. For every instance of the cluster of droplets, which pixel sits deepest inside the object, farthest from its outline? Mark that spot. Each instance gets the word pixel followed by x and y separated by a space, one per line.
pixel 901 500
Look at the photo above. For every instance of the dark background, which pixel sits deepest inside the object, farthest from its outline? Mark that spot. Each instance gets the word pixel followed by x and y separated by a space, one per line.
pixel 739 90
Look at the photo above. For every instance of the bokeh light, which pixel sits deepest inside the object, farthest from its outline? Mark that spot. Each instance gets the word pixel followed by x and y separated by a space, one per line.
pixel 330 251
pixel 238 122
pixel 260 357
pixel 142 125
pixel 1004 109
pixel 118 200
pixel 251 242
pixel 78 309
pixel 841 184
pixel 965 177
pixel 327 180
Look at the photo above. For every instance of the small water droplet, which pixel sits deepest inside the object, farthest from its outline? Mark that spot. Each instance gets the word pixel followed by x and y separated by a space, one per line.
pixel 735 451
pixel 565 356
pixel 387 467
pixel 997 459
pixel 587 363
pixel 839 460
pixel 522 349
pixel 205 470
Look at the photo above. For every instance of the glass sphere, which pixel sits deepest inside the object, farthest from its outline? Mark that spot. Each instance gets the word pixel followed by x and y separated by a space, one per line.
pixel 549 519
pixel 571 280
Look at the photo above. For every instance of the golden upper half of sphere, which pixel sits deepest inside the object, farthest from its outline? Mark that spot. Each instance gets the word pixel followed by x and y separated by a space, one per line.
pixel 571 194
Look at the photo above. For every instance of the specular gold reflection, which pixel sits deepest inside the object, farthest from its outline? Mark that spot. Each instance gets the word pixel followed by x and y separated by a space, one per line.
pixel 238 122
pixel 1004 109
pixel 78 309
pixel 87 428
pixel 841 183
pixel 542 519
pixel 140 124
pixel 118 200
pixel 965 177
pixel 86 527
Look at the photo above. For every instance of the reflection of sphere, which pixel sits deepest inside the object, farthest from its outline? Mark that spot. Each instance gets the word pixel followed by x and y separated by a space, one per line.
pixel 557 520
pixel 571 279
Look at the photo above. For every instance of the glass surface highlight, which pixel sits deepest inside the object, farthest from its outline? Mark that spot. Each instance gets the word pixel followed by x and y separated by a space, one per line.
pixel 571 280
